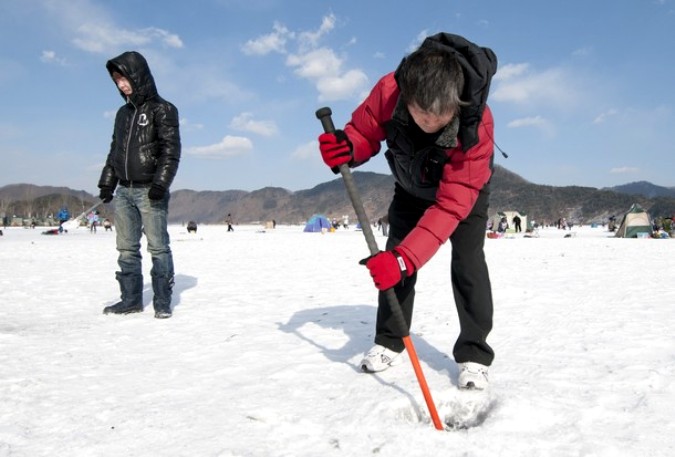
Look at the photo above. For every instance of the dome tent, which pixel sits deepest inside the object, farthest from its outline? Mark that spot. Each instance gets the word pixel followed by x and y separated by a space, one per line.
pixel 318 223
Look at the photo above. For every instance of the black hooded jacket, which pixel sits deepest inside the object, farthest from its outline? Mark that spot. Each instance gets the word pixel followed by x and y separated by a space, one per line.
pixel 479 65
pixel 145 144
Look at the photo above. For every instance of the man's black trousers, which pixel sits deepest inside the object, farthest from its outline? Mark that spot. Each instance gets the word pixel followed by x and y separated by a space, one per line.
pixel 469 276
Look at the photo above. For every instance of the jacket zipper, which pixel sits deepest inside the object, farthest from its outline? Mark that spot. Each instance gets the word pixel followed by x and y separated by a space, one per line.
pixel 131 130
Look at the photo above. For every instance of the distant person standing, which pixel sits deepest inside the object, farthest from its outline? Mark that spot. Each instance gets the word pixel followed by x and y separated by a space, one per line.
pixel 516 223
pixel 383 222
pixel 141 165
pixel 63 216
pixel 93 221
pixel 503 225
pixel 228 221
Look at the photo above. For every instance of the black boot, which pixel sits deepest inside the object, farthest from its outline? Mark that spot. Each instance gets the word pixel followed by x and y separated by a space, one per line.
pixel 122 308
pixel 162 288
pixel 131 286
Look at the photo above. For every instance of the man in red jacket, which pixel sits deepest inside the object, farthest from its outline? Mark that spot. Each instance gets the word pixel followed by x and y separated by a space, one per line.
pixel 433 115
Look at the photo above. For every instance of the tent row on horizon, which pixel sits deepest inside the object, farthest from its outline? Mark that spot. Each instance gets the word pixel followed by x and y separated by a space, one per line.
pixel 635 223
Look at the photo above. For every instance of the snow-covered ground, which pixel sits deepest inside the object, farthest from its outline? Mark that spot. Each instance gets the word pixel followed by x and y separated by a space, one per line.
pixel 260 358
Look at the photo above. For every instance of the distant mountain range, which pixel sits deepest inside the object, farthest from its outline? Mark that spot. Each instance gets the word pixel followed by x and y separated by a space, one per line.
pixel 509 192
pixel 646 189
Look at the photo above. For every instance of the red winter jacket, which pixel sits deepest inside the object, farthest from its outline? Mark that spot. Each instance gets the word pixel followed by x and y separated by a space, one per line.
pixel 464 174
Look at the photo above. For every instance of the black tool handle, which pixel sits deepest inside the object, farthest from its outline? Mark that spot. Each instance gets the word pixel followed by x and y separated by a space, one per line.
pixel 324 115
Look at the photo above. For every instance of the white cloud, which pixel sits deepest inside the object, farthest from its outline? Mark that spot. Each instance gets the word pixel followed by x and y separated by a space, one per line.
pixel 311 39
pixel 510 70
pixel 552 88
pixel 315 64
pixel 341 87
pixel 245 122
pixel 170 39
pixel 230 146
pixel 206 82
pixel 187 126
pixel 105 38
pixel 319 65
pixel 583 52
pixel 92 28
pixel 417 41
pixel 306 151
pixel 272 42
pixel 624 170
pixel 536 121
pixel 51 57
pixel 324 69
pixel 602 117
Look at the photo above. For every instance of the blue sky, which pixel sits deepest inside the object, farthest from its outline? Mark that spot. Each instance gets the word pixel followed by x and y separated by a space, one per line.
pixel 583 94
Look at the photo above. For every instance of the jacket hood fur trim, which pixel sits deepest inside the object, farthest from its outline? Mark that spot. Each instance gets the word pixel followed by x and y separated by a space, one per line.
pixel 448 137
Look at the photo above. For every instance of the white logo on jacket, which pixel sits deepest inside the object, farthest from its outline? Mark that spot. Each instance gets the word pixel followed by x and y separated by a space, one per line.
pixel 143 120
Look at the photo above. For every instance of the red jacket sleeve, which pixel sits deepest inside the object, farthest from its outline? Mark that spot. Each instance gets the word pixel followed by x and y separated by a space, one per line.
pixel 365 129
pixel 463 177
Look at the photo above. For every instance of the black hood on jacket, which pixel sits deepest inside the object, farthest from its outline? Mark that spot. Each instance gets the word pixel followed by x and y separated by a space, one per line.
pixel 133 66
pixel 479 65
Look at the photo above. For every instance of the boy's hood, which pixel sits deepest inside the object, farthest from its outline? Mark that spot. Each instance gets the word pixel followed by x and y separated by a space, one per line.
pixel 133 66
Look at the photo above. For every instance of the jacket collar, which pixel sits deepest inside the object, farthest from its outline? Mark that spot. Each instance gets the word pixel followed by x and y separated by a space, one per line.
pixel 448 136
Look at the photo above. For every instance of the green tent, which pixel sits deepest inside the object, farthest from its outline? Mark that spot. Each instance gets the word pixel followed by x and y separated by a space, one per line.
pixel 634 223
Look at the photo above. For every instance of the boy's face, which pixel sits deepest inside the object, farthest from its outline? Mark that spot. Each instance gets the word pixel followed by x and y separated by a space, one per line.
pixel 428 122
pixel 122 83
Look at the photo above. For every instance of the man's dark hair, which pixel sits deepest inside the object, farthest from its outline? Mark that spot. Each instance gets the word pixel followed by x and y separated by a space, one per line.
pixel 433 80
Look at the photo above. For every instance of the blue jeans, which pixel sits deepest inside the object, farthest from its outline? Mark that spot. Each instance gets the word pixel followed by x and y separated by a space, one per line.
pixel 135 215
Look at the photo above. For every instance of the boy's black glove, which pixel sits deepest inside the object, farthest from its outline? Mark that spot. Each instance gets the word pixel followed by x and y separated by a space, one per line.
pixel 106 194
pixel 156 192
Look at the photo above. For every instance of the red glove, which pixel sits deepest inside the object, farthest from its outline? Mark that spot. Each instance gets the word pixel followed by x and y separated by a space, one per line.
pixel 388 268
pixel 336 149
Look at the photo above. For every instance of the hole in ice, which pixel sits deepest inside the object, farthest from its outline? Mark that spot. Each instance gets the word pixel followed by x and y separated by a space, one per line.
pixel 463 410
pixel 466 410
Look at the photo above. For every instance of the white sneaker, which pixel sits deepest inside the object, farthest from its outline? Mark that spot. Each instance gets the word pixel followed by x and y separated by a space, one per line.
pixel 472 376
pixel 379 358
